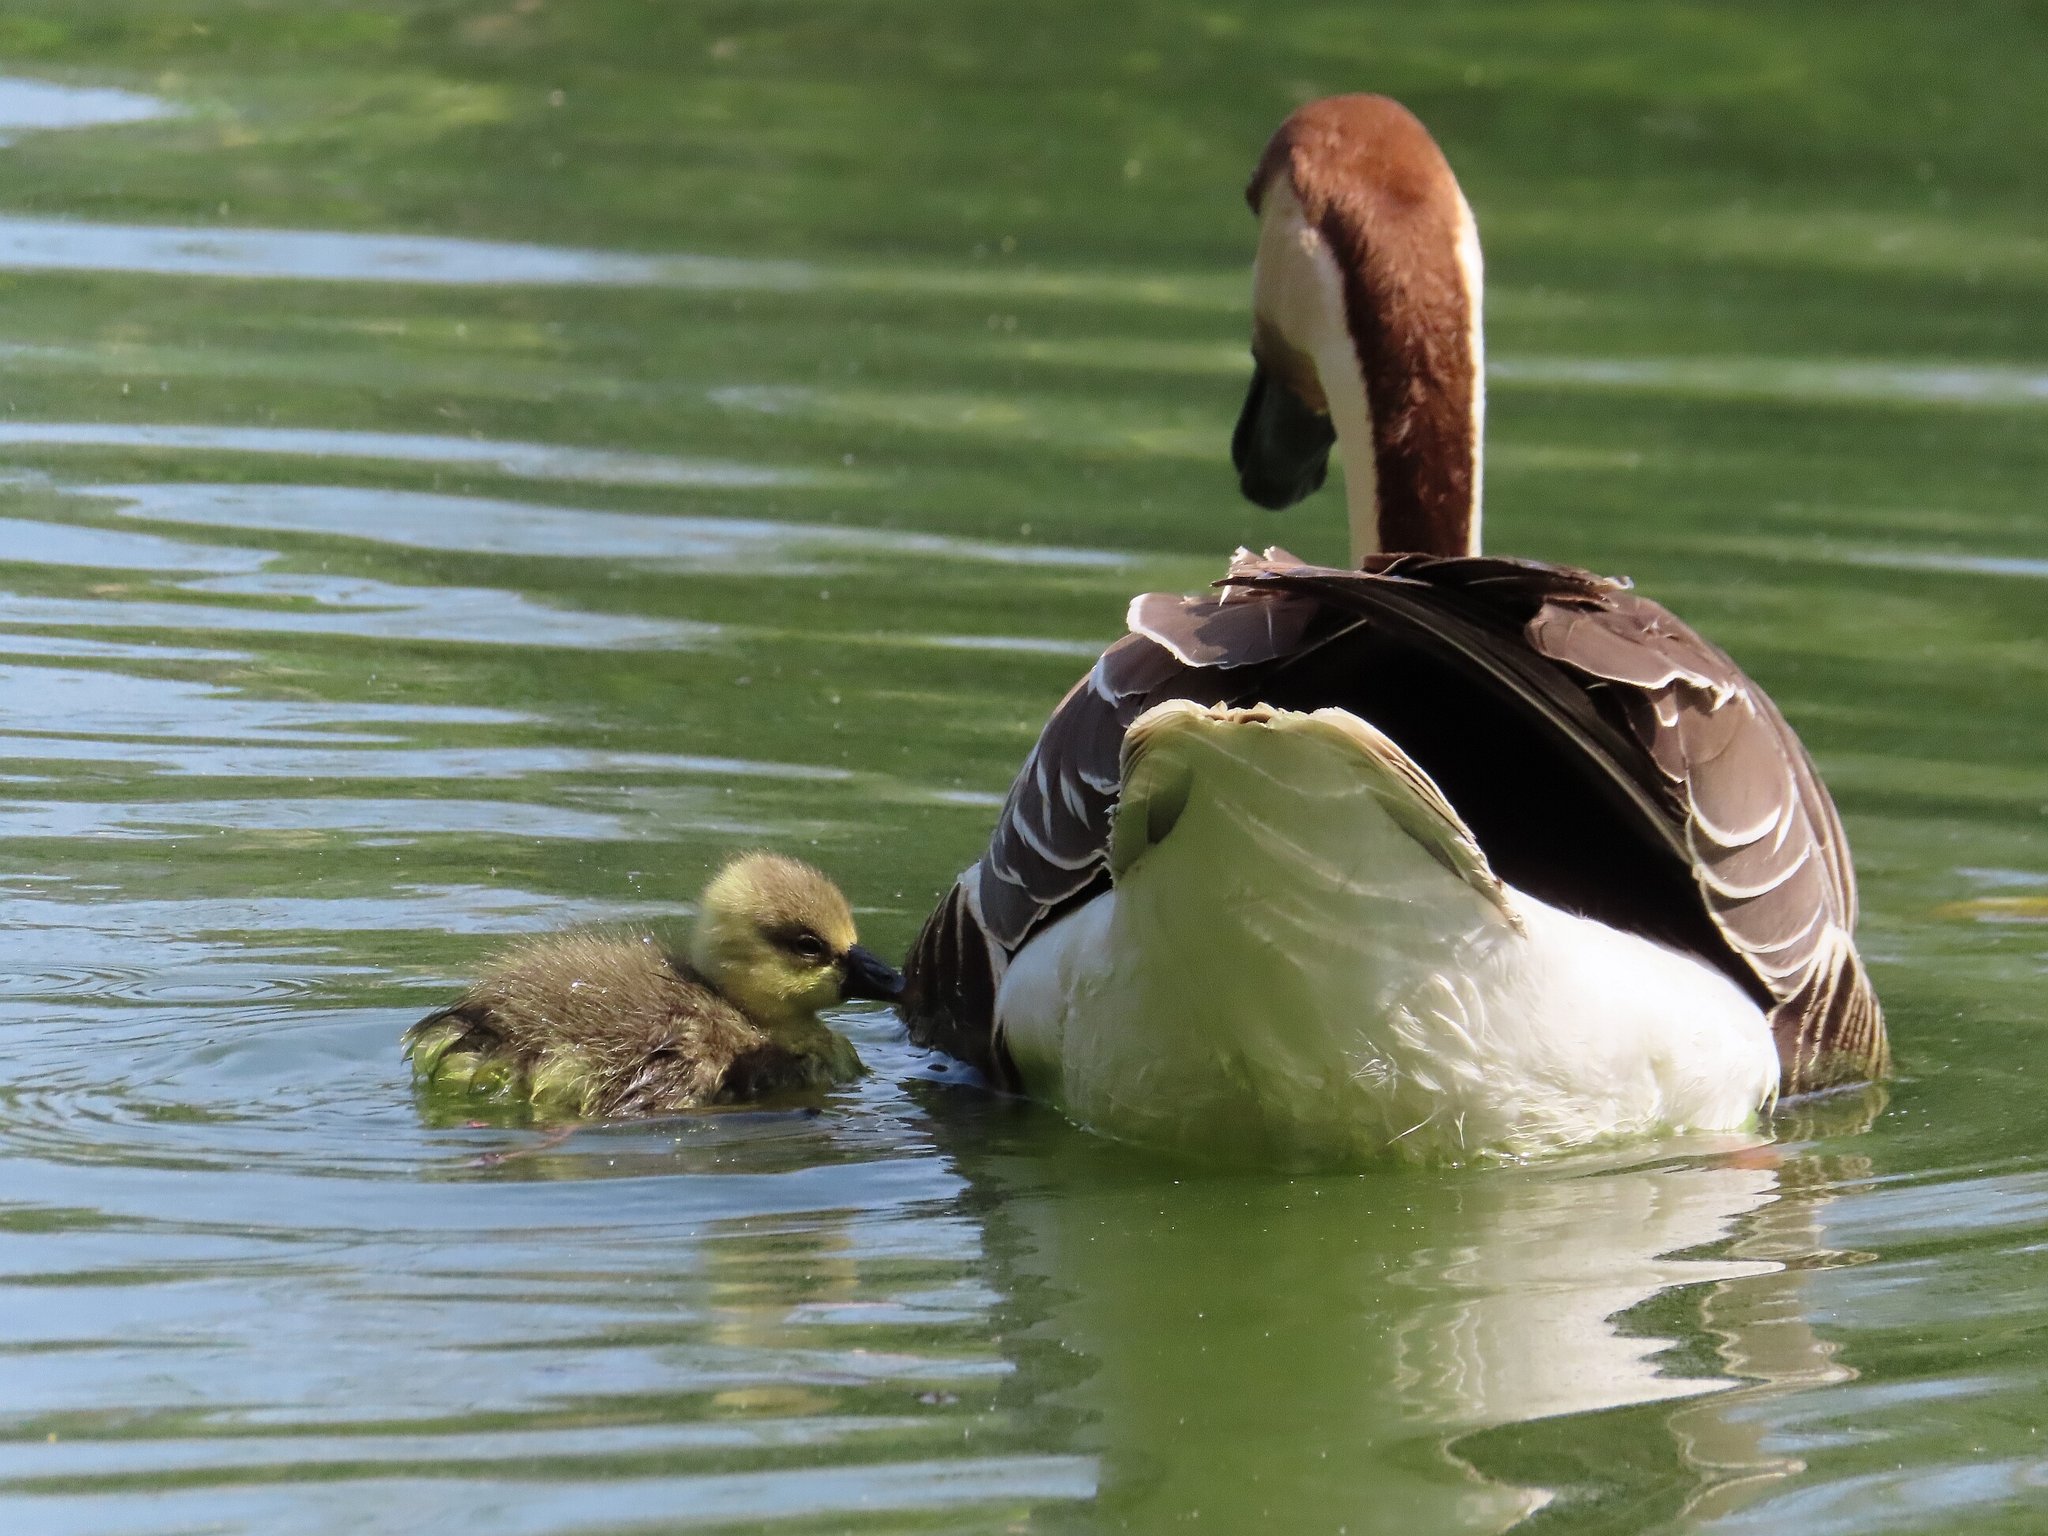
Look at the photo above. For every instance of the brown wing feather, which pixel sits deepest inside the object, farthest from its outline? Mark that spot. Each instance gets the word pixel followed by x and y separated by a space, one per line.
pixel 1766 842
pixel 1677 802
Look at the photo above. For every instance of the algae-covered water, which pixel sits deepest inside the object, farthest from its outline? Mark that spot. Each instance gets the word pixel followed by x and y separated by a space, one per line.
pixel 464 466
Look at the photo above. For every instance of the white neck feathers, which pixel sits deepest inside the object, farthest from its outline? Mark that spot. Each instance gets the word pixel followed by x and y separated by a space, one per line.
pixel 1298 297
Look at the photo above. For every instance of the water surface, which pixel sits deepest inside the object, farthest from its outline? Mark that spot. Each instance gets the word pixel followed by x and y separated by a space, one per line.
pixel 465 466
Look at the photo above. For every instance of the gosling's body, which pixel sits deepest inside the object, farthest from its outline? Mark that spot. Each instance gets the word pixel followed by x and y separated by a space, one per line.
pixel 591 1025
pixel 595 1025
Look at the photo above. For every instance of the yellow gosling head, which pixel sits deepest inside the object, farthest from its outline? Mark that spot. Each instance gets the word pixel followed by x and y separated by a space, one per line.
pixel 776 936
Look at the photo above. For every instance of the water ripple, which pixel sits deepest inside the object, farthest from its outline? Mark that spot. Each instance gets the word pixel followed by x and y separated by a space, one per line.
pixel 208 760
pixel 583 1313
pixel 82 648
pixel 29 244
pixel 358 606
pixel 1948 562
pixel 92 703
pixel 481 525
pixel 28 106
pixel 33 542
pixel 526 461
pixel 865 1496
pixel 365 609
pixel 386 819
pixel 1784 378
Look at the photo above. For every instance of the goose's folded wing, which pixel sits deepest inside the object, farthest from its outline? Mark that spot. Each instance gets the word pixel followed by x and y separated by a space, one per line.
pixel 1766 844
pixel 1691 743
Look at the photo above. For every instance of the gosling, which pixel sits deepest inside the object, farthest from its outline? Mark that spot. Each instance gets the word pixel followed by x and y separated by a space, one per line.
pixel 589 1025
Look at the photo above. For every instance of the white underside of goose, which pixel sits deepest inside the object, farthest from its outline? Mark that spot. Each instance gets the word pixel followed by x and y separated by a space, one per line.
pixel 1305 956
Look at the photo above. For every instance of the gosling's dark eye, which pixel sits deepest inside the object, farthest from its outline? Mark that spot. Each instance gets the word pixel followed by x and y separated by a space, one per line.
pixel 808 946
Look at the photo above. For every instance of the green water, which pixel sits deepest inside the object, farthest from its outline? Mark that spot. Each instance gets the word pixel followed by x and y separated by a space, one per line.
pixel 813 386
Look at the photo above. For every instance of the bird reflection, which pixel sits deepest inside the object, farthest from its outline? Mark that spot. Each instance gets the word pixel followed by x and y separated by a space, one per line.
pixel 1360 1353
pixel 1760 1327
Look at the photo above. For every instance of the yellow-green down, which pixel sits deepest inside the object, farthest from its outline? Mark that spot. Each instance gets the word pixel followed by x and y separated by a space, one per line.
pixel 592 1024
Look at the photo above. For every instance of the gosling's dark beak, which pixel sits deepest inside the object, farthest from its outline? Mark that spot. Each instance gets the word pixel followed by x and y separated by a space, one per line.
pixel 1281 447
pixel 863 973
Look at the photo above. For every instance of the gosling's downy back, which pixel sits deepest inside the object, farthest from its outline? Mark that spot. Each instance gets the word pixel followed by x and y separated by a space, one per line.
pixel 606 994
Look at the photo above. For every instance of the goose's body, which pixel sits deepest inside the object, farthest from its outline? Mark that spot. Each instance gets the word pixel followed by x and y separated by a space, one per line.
pixel 1362 979
pixel 1446 854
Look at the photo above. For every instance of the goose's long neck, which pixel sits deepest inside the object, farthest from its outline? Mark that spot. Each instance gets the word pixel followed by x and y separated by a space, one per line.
pixel 1372 302
pixel 1414 464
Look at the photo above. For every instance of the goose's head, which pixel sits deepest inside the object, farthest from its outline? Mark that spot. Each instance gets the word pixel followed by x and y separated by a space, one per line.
pixel 777 938
pixel 1366 328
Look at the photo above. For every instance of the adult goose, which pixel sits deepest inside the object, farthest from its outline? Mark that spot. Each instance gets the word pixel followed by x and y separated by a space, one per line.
pixel 1446 854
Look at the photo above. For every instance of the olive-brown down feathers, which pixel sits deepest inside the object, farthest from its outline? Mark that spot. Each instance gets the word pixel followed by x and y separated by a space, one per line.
pixel 604 1024
pixel 587 1024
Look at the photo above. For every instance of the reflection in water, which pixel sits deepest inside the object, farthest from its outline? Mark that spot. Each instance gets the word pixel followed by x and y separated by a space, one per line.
pixel 31 105
pixel 91 703
pixel 1756 1332
pixel 1243 1341
pixel 448 1499
pixel 526 461
pixel 368 609
pixel 1764 378
pixel 481 525
pixel 30 542
pixel 422 764
pixel 1518 1322
pixel 386 821
pixel 1763 1334
pixel 172 725
pixel 302 602
pixel 1021 645
pixel 317 255
pixel 82 648
pixel 1043 418
pixel 405 908
pixel 1767 378
pixel 1947 561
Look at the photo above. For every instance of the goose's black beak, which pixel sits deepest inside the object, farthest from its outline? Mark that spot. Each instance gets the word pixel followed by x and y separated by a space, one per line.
pixel 1281 447
pixel 863 973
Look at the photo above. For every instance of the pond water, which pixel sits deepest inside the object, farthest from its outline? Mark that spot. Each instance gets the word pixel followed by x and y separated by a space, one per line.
pixel 464 465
